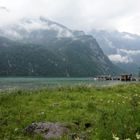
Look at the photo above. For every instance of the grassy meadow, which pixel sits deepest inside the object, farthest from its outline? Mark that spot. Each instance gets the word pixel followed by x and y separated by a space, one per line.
pixel 107 113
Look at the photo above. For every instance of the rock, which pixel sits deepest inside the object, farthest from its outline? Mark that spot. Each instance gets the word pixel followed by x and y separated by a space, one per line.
pixel 47 129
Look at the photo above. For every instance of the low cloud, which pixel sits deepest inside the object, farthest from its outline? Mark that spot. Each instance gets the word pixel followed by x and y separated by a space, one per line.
pixel 39 24
pixel 117 58
pixel 129 37
pixel 122 15
pixel 124 56
pixel 4 9
pixel 29 25
pixel 130 52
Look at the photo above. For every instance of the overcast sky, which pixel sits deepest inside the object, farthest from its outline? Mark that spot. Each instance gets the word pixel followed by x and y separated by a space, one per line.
pixel 122 15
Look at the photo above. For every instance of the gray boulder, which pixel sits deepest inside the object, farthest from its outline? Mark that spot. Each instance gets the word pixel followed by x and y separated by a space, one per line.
pixel 47 129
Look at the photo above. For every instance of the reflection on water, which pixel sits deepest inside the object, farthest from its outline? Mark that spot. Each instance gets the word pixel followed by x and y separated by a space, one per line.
pixel 35 83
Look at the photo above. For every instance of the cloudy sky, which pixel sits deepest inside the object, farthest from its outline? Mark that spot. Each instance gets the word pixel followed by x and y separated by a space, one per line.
pixel 122 15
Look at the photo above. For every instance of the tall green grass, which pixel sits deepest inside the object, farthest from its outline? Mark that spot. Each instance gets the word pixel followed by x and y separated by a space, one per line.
pixel 110 112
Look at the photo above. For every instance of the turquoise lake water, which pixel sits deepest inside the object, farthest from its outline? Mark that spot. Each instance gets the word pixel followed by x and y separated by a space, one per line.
pixel 35 83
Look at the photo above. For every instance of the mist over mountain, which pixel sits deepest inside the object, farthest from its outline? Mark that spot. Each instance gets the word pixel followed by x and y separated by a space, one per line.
pixel 122 48
pixel 37 30
pixel 40 47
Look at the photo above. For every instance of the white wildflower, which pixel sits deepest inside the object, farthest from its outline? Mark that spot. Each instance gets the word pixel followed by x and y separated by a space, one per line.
pixel 77 138
pixel 108 101
pixel 138 136
pixel 123 102
pixel 16 129
pixel 41 113
pixel 115 137
pixel 101 100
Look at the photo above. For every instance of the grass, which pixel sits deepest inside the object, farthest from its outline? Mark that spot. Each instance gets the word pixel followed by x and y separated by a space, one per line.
pixel 110 112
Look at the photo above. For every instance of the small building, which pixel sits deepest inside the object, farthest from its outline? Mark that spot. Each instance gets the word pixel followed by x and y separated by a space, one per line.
pixel 116 78
pixel 126 77
pixel 104 77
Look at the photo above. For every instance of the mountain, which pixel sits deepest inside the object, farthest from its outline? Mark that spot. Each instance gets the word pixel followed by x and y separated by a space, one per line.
pixel 122 48
pixel 40 47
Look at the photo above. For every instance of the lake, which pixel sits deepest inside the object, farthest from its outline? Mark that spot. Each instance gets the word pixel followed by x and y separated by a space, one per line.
pixel 35 83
